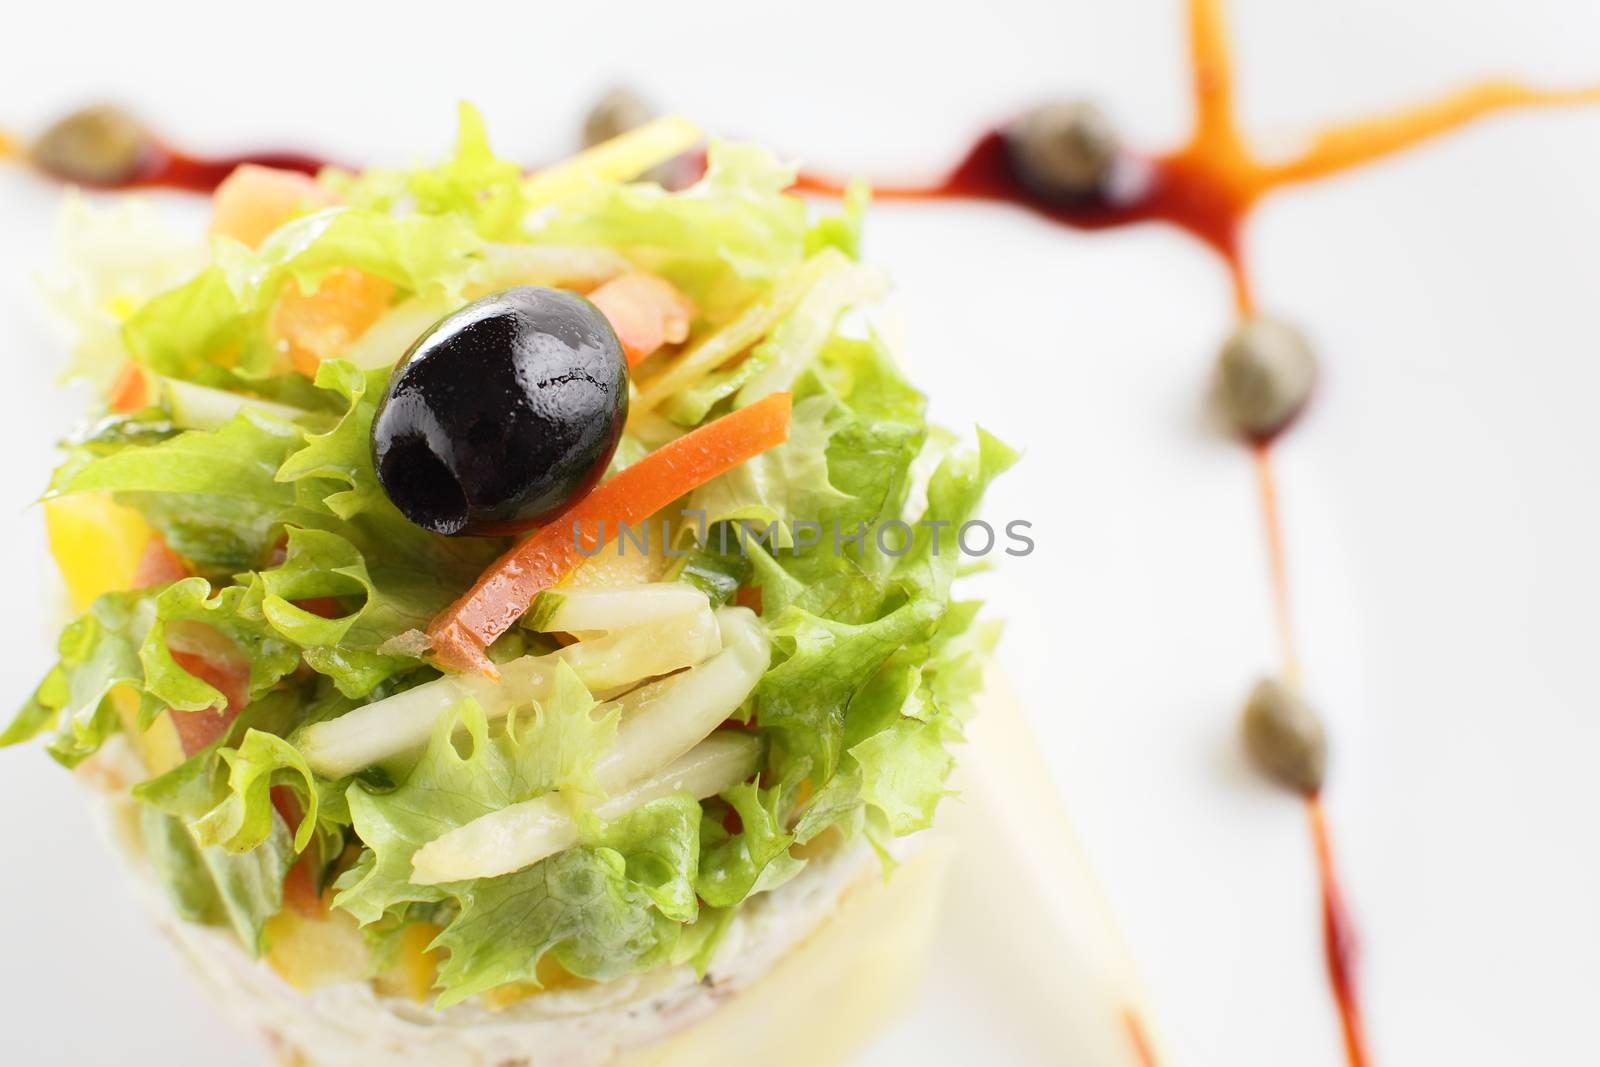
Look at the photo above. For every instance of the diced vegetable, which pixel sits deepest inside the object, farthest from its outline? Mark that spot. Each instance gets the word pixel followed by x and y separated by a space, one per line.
pixel 400 723
pixel 206 656
pixel 310 953
pixel 319 325
pixel 752 324
pixel 646 311
pixel 158 565
pixel 462 632
pixel 131 390
pixel 523 834
pixel 397 329
pixel 254 200
pixel 415 966
pixel 97 543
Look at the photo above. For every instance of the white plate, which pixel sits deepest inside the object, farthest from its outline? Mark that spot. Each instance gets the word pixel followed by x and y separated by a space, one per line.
pixel 1439 496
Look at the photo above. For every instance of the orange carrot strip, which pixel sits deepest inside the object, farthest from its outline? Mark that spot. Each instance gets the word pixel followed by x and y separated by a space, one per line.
pixel 462 631
pixel 645 311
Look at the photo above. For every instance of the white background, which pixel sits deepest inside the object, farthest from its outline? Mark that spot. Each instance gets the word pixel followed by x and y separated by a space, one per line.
pixel 1439 495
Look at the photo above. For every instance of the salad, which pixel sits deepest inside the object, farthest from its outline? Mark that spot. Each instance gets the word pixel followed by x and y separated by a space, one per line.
pixel 494 584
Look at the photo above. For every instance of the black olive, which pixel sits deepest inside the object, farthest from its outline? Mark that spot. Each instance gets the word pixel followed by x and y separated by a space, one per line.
pixel 1064 150
pixel 502 413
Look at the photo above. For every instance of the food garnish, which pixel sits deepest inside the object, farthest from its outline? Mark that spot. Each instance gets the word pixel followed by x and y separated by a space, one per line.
pixel 1285 736
pixel 503 413
pixel 1266 372
pixel 462 632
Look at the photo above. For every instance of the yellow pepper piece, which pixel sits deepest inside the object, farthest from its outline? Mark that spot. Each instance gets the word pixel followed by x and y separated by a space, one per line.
pixel 415 968
pixel 159 746
pixel 96 542
pixel 620 159
pixel 311 953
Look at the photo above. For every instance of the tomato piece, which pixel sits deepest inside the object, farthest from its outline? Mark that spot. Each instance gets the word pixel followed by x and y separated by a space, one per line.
pixel 645 311
pixel 158 565
pixel 131 391
pixel 254 200
pixel 209 657
pixel 300 884
pixel 462 631
pixel 325 606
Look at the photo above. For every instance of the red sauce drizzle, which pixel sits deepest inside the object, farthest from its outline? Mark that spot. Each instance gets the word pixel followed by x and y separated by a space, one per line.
pixel 1338 940
pixel 165 167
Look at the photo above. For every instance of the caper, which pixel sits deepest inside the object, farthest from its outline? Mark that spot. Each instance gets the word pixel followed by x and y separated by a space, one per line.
pixel 618 111
pixel 100 145
pixel 1064 150
pixel 1265 373
pixel 1284 735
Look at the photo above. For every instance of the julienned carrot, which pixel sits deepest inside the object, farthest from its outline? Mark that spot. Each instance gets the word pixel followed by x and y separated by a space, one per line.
pixel 462 631
pixel 645 311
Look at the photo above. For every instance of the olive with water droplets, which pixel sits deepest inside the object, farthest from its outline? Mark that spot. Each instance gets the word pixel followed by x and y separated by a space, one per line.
pixel 502 413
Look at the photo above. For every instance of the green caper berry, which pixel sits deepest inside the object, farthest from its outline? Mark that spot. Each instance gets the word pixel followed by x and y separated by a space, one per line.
pixel 1285 736
pixel 1064 150
pixel 99 145
pixel 618 111
pixel 1265 374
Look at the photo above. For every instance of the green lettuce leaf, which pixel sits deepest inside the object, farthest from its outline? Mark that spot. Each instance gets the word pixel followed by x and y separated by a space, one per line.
pixel 738 216
pixel 184 332
pixel 213 885
pixel 602 911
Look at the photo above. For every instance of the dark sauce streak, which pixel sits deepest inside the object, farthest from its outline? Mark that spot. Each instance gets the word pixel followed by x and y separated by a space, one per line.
pixel 1167 189
pixel 165 167
pixel 169 168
